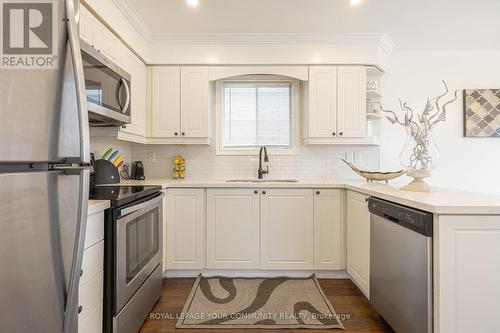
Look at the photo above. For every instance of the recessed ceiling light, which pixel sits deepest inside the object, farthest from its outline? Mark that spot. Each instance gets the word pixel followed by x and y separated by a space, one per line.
pixel 355 2
pixel 193 3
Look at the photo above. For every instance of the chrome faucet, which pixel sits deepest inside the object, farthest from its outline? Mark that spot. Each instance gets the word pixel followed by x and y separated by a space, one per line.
pixel 261 171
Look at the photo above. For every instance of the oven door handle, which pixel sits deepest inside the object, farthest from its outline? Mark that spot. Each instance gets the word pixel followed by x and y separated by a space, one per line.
pixel 142 205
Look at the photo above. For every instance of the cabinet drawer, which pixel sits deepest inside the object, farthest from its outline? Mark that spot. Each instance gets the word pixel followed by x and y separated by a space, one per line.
pixel 92 263
pixel 95 229
pixel 90 295
pixel 93 322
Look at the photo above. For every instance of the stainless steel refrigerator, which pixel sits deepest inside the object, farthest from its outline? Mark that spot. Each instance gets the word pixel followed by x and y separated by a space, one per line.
pixel 44 146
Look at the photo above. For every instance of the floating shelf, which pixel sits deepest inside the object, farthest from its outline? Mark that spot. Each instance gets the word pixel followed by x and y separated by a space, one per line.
pixel 371 94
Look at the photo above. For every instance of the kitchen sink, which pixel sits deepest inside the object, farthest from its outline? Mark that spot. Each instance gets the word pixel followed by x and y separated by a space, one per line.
pixel 253 180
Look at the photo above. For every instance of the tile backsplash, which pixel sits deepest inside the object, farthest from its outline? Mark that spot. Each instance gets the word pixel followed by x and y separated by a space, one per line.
pixel 311 163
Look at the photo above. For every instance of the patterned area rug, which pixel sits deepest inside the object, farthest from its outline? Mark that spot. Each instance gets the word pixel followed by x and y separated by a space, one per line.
pixel 221 302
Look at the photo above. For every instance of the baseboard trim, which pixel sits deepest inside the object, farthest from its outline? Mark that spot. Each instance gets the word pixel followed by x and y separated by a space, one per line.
pixel 341 274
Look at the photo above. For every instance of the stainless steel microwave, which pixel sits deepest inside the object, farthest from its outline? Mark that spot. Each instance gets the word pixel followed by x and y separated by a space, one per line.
pixel 107 88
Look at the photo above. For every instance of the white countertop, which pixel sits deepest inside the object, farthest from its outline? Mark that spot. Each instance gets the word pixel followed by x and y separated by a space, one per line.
pixel 440 201
pixel 96 206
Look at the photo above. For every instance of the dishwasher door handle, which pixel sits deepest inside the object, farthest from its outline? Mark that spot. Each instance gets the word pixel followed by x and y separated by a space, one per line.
pixel 391 218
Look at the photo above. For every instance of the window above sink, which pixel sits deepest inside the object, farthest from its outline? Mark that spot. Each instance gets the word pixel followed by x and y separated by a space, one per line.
pixel 257 110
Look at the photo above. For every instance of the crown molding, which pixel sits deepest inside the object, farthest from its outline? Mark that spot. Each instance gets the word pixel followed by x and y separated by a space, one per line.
pixel 383 40
pixel 133 16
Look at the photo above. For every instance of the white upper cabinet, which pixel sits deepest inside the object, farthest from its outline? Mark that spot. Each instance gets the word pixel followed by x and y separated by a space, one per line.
pixel 233 229
pixel 137 70
pixel 351 98
pixel 322 115
pixel 103 40
pixel 166 103
pixel 287 229
pixel 327 229
pixel 358 240
pixel 194 102
pixel 87 25
pixel 180 105
pixel 334 106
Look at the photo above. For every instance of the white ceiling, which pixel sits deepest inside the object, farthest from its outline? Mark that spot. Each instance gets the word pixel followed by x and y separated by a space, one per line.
pixel 412 24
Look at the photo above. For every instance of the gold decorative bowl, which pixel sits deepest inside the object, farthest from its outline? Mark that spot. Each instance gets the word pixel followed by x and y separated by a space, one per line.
pixel 374 175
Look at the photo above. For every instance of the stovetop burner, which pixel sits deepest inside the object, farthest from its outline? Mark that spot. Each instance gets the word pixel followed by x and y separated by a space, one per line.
pixel 120 195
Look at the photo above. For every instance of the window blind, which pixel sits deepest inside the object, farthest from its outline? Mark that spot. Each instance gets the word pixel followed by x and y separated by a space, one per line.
pixel 256 114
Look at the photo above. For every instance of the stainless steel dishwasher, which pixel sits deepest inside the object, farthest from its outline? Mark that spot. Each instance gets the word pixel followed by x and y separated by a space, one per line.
pixel 401 265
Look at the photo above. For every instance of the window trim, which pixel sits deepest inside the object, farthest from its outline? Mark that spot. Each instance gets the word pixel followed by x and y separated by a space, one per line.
pixel 253 151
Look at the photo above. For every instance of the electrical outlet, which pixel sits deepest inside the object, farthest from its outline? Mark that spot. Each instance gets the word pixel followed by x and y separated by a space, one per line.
pixel 349 156
pixel 152 156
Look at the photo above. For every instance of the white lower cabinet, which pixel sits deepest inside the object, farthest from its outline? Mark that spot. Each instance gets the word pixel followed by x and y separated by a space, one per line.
pixel 185 220
pixel 233 229
pixel 466 288
pixel 358 240
pixel 287 229
pixel 327 229
pixel 90 291
pixel 252 229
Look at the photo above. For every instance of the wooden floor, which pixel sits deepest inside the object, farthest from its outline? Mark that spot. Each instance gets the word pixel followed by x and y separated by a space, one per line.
pixel 345 297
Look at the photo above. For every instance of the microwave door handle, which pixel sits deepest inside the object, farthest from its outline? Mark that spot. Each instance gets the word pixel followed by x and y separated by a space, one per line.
pixel 140 206
pixel 118 95
pixel 76 57
pixel 127 91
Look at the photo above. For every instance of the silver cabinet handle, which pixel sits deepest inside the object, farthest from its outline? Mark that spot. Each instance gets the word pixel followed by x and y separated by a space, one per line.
pixel 127 99
pixel 76 57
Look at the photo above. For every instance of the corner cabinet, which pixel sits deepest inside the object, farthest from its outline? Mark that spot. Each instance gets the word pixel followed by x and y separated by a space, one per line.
pixel 287 224
pixel 180 105
pixel 334 105
pixel 358 240
pixel 184 232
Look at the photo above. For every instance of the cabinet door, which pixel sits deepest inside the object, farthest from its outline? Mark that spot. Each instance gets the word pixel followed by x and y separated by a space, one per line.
pixel 87 25
pixel 194 102
pixel 108 44
pixel 185 229
pixel 322 111
pixel 137 70
pixel 232 229
pixel 351 101
pixel 287 229
pixel 358 240
pixel 327 229
pixel 166 104
pixel 466 257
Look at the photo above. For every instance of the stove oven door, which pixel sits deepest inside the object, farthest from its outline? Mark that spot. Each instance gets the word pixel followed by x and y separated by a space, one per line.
pixel 138 247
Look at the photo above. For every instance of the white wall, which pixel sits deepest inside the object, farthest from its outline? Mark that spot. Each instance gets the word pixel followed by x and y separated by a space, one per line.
pixel 466 163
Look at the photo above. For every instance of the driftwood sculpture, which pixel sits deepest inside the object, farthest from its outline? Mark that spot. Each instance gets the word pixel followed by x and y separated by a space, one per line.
pixel 419 127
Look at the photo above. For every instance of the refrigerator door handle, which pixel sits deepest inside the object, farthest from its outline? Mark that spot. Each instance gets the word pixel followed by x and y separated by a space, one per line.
pixel 76 56
pixel 71 310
